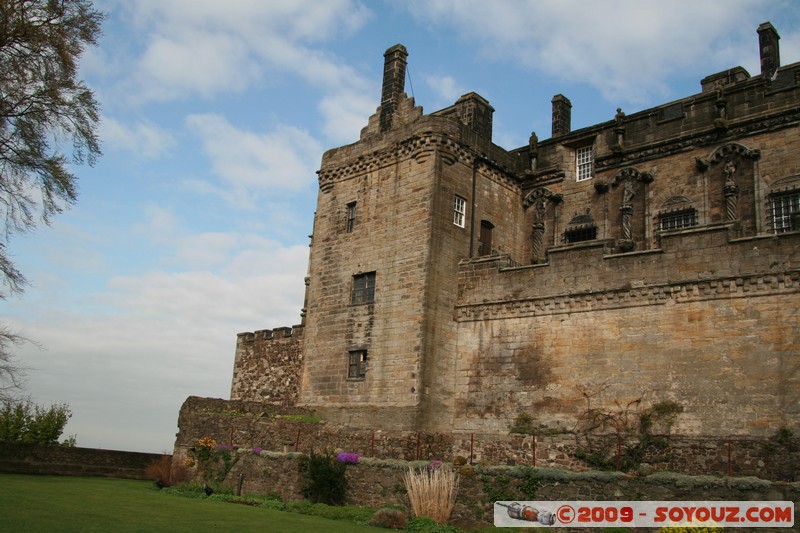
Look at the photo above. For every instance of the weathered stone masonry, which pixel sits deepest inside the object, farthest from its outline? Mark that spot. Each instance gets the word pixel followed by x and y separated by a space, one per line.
pixel 506 282
pixel 267 365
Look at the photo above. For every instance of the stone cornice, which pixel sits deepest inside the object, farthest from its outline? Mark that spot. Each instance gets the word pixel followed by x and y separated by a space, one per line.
pixel 679 292
pixel 419 147
pixel 705 138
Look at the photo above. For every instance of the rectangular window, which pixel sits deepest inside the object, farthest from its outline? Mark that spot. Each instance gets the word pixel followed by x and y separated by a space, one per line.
pixel 677 220
pixel 363 288
pixel 351 217
pixel 357 364
pixel 580 234
pixel 583 160
pixel 783 205
pixel 459 211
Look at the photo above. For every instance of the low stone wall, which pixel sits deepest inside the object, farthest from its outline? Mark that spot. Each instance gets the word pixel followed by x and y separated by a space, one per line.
pixel 375 483
pixel 250 424
pixel 65 461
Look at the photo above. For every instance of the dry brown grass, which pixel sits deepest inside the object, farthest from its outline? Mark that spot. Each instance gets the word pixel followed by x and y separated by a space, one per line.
pixel 169 474
pixel 432 492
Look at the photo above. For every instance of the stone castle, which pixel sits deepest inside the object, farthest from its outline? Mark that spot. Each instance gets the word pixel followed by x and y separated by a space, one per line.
pixel 454 285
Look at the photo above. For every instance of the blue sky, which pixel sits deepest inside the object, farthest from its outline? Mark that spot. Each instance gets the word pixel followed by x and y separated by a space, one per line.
pixel 194 224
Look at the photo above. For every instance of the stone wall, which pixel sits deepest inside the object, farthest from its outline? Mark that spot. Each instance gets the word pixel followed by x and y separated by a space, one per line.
pixel 708 322
pixel 73 461
pixel 248 425
pixel 268 365
pixel 376 483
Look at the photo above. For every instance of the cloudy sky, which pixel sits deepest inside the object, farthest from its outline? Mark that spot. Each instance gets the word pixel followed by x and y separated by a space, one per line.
pixel 194 224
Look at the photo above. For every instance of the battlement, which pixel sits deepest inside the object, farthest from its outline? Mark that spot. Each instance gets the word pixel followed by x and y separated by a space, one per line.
pixel 295 332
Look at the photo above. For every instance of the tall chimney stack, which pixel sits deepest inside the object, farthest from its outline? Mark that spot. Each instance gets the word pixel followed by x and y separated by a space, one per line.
pixel 768 48
pixel 394 80
pixel 562 115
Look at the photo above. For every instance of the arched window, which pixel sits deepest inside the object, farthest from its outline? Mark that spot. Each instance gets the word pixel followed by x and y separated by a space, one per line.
pixel 581 228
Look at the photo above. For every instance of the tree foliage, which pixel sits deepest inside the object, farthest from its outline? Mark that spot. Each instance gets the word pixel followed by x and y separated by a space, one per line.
pixel 43 108
pixel 11 373
pixel 24 421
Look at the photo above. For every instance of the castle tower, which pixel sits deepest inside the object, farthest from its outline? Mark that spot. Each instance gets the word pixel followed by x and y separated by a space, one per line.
pixel 396 213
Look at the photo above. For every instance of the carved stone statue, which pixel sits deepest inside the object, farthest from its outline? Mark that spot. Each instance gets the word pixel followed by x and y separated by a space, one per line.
pixel 730 172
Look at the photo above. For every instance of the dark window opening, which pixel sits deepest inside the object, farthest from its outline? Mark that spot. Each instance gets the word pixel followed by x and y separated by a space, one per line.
pixel 485 242
pixel 363 288
pixel 783 205
pixel 677 220
pixel 351 217
pixel 357 364
pixel 580 234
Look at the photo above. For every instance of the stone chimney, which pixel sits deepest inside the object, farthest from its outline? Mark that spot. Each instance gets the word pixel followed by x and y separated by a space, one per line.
pixel 768 49
pixel 394 79
pixel 474 111
pixel 562 115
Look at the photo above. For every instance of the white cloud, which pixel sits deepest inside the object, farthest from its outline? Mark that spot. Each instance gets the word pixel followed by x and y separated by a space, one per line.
pixel 143 138
pixel 208 47
pixel 191 61
pixel 446 89
pixel 252 165
pixel 627 50
pixel 143 343
pixel 345 113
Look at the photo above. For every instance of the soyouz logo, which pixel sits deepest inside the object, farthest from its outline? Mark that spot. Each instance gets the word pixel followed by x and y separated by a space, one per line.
pixel 644 514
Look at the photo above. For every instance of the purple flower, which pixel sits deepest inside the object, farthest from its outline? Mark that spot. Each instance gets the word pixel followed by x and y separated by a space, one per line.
pixel 348 458
pixel 435 465
pixel 257 450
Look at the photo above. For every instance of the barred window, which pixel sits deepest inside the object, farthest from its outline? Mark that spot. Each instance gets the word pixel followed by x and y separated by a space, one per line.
pixel 677 220
pixel 783 205
pixel 583 163
pixel 459 211
pixel 580 234
pixel 363 288
pixel 357 364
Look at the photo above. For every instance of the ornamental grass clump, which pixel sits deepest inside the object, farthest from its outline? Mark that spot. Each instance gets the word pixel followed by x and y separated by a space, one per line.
pixel 432 492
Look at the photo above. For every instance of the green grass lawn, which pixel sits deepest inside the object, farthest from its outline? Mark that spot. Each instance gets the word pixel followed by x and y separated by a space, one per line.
pixel 62 504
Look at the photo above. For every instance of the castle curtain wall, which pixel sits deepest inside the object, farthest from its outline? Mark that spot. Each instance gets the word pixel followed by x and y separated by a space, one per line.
pixel 723 346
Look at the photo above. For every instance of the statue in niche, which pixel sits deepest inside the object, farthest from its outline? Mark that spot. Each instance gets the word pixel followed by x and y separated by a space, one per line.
pixel 628 193
pixel 540 209
pixel 730 172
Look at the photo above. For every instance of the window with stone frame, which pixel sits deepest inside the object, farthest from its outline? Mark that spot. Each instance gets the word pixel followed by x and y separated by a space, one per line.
pixel 581 228
pixel 351 217
pixel 676 220
pixel 782 206
pixel 459 211
pixel 584 158
pixel 363 288
pixel 580 234
pixel 357 364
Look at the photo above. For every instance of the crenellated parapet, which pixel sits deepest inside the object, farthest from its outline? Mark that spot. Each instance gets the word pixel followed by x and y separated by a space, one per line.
pixel 295 332
pixel 267 365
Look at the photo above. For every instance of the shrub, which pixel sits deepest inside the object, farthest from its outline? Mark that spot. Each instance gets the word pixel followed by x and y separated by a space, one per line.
pixel 459 460
pixel 389 519
pixel 432 492
pixel 522 424
pixel 25 421
pixel 324 480
pixel 423 524
pixel 166 471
